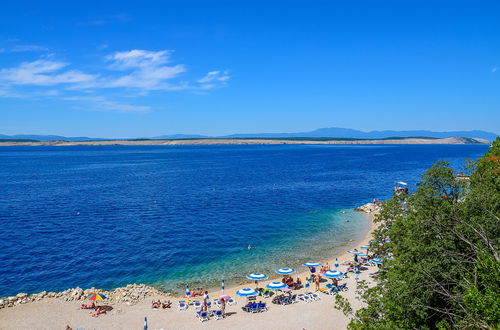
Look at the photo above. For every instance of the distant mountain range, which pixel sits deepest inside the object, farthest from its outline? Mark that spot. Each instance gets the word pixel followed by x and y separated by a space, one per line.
pixel 332 132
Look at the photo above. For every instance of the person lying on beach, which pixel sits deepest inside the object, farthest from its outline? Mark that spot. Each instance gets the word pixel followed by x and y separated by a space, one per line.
pixel 200 292
pixel 166 304
pixel 192 293
pixel 84 306
pixel 156 304
pixel 98 310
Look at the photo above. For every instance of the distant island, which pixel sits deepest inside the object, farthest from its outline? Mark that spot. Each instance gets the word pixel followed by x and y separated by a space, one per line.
pixel 332 133
pixel 255 141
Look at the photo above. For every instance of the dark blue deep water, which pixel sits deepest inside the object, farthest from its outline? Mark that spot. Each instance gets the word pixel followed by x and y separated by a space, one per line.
pixel 168 215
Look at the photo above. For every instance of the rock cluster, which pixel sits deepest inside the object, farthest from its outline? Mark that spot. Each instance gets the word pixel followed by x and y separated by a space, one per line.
pixel 370 208
pixel 131 294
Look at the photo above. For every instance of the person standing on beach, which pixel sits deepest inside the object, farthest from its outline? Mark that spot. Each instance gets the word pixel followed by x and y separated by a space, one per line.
pixel 223 307
pixel 205 300
pixel 316 280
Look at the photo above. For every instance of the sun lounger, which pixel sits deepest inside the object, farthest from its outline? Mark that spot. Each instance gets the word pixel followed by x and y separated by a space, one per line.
pixel 304 297
pixel 231 302
pixel 216 303
pixel 313 296
pixel 182 306
pixel 202 316
pixel 197 304
pixel 294 299
pixel 218 315
pixel 262 307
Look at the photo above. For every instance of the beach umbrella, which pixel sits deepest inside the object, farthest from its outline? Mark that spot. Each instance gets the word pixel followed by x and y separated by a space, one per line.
pixel 377 260
pixel 285 271
pixel 187 291
pixel 365 247
pixel 222 286
pixel 145 323
pixel 363 255
pixel 333 274
pixel 311 264
pixel 336 262
pixel 257 277
pixel 224 297
pixel 353 252
pixel 276 285
pixel 247 292
pixel 96 296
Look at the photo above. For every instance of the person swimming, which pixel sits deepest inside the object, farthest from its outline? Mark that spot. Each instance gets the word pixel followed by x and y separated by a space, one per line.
pixel 249 247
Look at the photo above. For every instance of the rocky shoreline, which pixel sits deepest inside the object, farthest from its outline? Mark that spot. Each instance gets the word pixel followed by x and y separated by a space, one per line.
pixel 130 295
pixel 370 208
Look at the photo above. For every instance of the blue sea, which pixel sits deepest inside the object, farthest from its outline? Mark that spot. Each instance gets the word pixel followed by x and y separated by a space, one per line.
pixel 106 216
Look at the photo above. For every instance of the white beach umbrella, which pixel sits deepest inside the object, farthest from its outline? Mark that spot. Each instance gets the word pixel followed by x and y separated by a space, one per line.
pixel 247 292
pixel 257 277
pixel 276 285
pixel 311 264
pixel 285 271
pixel 333 274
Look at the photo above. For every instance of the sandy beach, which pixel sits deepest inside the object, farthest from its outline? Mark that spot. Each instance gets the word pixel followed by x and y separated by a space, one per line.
pixel 51 313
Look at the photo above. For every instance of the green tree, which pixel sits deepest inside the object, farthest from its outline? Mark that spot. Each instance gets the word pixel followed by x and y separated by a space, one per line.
pixel 445 241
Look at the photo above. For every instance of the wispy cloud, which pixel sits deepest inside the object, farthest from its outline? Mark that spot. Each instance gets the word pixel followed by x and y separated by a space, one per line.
pixel 28 48
pixel 495 69
pixel 132 73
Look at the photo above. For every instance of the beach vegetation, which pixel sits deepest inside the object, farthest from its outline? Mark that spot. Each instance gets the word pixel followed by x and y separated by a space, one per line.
pixel 440 250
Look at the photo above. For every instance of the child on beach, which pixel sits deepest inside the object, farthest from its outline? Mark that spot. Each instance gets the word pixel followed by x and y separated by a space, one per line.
pixel 205 300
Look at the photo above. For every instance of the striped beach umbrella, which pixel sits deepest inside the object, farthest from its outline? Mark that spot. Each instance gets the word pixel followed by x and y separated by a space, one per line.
pixel 276 285
pixel 377 260
pixel 247 292
pixel 336 262
pixel 353 252
pixel 333 274
pixel 363 255
pixel 285 271
pixel 222 286
pixel 145 323
pixel 187 291
pixel 311 264
pixel 365 247
pixel 257 277
pixel 96 296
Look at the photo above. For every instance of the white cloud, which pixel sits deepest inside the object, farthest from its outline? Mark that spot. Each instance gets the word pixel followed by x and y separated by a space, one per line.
pixel 495 69
pixel 214 76
pixel 136 72
pixel 28 48
pixel 43 72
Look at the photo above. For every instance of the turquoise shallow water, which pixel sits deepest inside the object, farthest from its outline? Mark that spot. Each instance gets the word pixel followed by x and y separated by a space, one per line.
pixel 169 215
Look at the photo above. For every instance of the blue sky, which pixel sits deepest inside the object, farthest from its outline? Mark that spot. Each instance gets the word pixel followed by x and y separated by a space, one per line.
pixel 141 69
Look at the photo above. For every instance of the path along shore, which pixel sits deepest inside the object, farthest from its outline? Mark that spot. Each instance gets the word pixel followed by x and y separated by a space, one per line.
pixel 131 304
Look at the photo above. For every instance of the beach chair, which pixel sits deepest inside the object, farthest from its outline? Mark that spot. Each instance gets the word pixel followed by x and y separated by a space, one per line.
pixel 231 302
pixel 254 308
pixel 202 316
pixel 294 299
pixel 218 315
pixel 313 296
pixel 304 298
pixel 197 305
pixel 262 307
pixel 216 303
pixel 343 287
pixel 285 301
pixel 182 306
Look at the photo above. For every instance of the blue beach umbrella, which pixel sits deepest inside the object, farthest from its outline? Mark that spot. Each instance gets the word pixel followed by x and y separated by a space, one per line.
pixel 285 271
pixel 333 274
pixel 353 252
pixel 187 291
pixel 257 277
pixel 363 255
pixel 365 247
pixel 276 285
pixel 336 262
pixel 222 286
pixel 311 264
pixel 247 292
pixel 377 260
